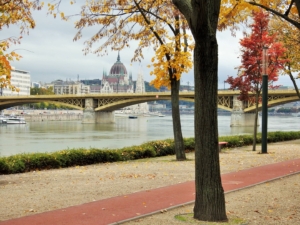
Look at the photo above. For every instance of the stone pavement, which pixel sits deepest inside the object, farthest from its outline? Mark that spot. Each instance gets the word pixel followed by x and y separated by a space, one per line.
pixel 127 207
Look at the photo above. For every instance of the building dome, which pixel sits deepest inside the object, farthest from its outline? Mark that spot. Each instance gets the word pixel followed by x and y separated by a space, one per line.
pixel 118 68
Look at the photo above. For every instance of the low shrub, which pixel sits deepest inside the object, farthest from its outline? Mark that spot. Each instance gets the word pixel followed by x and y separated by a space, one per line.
pixel 4 169
pixel 79 157
pixel 189 144
pixel 39 161
pixel 165 147
pixel 14 164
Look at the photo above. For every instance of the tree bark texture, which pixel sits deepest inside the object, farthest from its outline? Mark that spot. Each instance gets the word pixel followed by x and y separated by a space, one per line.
pixel 178 139
pixel 297 3
pixel 294 82
pixel 210 200
pixel 202 16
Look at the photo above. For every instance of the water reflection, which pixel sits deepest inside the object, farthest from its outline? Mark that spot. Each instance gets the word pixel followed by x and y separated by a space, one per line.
pixel 57 135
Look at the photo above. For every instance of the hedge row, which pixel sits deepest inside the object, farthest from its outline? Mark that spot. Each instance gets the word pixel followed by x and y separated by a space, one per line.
pixel 78 157
pixel 243 140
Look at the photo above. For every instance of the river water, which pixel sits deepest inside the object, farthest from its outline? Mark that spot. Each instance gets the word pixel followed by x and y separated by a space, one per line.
pixel 50 136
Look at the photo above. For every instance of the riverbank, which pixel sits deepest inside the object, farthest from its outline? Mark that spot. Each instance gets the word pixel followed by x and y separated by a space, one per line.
pixel 46 115
pixel 39 191
pixel 53 117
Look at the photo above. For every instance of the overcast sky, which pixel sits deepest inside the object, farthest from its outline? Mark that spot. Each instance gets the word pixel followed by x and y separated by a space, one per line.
pixel 49 53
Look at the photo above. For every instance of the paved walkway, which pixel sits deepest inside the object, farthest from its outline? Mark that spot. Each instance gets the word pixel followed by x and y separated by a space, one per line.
pixel 121 208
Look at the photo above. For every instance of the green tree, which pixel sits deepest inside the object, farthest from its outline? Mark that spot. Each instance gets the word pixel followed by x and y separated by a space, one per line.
pixel 41 91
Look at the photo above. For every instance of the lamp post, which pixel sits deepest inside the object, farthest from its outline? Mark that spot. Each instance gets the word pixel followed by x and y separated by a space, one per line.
pixel 264 130
pixel 224 84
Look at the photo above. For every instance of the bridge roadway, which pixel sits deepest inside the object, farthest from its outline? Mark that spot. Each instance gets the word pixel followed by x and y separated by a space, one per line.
pixel 114 101
pixel 107 103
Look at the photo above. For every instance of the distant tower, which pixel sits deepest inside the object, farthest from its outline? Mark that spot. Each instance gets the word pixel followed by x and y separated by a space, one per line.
pixel 140 84
pixel 140 88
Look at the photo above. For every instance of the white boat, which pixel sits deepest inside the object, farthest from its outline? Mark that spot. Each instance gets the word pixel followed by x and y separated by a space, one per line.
pixel 2 118
pixel 161 115
pixel 129 113
pixel 12 120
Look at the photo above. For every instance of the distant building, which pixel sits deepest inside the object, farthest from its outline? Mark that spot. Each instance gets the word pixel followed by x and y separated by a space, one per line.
pixel 95 85
pixel 21 80
pixel 157 106
pixel 36 85
pixel 118 80
pixel 91 82
pixel 140 88
pixel 61 87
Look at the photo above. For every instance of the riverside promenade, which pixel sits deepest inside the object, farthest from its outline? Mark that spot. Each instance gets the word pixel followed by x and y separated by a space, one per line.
pixel 132 206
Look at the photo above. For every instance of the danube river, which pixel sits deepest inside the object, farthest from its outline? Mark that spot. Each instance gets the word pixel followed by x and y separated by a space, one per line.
pixel 58 135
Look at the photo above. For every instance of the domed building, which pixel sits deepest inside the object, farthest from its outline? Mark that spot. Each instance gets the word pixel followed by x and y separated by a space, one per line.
pixel 117 80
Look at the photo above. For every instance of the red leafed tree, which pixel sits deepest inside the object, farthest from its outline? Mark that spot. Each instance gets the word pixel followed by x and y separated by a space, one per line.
pixel 249 77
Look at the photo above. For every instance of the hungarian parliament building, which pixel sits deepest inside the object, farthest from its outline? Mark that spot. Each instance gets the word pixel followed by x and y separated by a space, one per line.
pixel 117 81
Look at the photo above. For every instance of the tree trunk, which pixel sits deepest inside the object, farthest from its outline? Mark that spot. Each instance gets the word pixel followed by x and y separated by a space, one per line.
pixel 202 16
pixel 178 140
pixel 297 3
pixel 255 123
pixel 294 82
pixel 210 200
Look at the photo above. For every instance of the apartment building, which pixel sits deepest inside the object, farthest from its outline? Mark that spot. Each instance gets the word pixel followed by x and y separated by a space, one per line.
pixel 21 80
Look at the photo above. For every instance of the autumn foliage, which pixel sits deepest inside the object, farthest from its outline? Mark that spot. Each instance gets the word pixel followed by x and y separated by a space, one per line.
pixel 253 67
pixel 249 77
pixel 123 24
pixel 233 12
pixel 13 12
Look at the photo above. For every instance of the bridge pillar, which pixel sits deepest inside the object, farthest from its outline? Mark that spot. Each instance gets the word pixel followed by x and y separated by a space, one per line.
pixel 91 116
pixel 239 118
pixel 105 117
pixel 89 112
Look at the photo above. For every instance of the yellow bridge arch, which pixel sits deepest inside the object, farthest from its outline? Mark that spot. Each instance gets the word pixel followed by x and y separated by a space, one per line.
pixel 114 101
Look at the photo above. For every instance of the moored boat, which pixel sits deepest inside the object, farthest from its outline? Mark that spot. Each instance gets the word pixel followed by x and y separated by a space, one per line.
pixel 12 120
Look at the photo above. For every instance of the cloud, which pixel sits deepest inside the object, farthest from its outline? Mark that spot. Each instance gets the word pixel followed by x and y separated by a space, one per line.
pixel 50 53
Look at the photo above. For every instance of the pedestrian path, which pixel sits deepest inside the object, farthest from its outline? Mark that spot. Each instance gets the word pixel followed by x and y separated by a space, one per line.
pixel 126 207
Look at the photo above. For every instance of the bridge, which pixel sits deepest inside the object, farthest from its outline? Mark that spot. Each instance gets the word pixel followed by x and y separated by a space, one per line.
pixel 98 108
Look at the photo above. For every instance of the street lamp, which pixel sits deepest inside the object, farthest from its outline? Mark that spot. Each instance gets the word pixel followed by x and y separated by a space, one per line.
pixel 264 128
pixel 224 84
